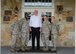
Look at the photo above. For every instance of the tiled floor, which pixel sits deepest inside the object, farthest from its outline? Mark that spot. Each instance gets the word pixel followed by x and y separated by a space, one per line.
pixel 6 50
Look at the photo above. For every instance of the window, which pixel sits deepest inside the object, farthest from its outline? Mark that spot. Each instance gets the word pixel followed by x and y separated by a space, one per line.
pixel 38 3
pixel 38 0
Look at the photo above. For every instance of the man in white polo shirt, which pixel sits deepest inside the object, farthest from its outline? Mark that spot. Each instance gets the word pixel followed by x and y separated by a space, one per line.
pixel 35 27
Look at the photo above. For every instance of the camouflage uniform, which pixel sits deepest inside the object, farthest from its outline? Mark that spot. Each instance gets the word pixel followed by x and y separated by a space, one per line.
pixel 24 28
pixel 15 34
pixel 54 32
pixel 60 26
pixel 45 35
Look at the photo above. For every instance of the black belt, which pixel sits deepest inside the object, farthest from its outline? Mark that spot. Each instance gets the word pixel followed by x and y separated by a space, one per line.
pixel 35 27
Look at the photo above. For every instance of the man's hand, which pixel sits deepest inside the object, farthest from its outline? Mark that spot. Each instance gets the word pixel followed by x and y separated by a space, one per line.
pixel 40 29
pixel 30 29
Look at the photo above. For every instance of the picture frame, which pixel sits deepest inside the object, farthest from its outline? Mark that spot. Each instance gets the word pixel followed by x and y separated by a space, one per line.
pixel 8 12
pixel 69 19
pixel 59 9
pixel 6 18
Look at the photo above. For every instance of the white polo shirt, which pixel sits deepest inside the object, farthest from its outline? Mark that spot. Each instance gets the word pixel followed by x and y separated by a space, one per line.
pixel 35 21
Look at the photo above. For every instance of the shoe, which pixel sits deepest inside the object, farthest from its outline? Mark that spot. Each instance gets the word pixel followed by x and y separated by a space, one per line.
pixel 53 49
pixel 23 49
pixel 45 49
pixel 17 49
pixel 38 48
pixel 33 49
pixel 27 48
pixel 13 50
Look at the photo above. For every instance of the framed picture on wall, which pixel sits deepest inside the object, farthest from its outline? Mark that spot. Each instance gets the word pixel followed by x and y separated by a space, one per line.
pixel 69 19
pixel 6 18
pixel 59 8
pixel 8 12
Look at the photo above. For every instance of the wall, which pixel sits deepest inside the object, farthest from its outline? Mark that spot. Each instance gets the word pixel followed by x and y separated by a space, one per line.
pixel 68 35
pixel 5 26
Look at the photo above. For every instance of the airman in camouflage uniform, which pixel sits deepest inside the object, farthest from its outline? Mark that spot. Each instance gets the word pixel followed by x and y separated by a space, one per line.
pixel 54 32
pixel 24 29
pixel 45 31
pixel 15 34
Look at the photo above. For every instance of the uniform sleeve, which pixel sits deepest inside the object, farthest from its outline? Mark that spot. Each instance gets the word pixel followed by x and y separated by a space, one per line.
pixel 20 24
pixel 57 27
pixel 60 26
pixel 11 28
pixel 49 25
